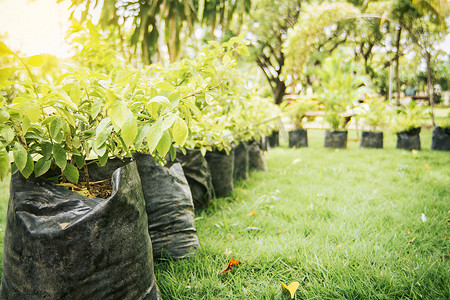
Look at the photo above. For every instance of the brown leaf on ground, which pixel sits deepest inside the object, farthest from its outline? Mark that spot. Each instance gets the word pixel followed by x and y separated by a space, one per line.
pixel 232 262
pixel 251 213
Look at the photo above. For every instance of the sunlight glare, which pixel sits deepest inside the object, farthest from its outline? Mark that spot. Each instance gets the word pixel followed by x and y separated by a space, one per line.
pixel 35 27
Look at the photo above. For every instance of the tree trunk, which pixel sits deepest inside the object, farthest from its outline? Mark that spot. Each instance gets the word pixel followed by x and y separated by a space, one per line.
pixel 430 86
pixel 280 91
pixel 397 66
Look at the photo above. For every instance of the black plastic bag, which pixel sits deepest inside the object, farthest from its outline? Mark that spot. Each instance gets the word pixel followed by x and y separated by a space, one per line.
pixel 298 138
pixel 409 140
pixel 169 207
pixel 264 143
pixel 221 165
pixel 255 157
pixel 59 244
pixel 198 175
pixel 440 139
pixel 335 139
pixel 241 161
pixel 371 139
pixel 274 139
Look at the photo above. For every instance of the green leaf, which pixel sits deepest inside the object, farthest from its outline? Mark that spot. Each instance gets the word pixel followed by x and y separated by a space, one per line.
pixel 55 127
pixel 71 173
pixel 226 59
pixel 180 132
pixel 168 121
pixel 42 166
pixel 129 130
pixel 214 44
pixel 99 150
pixel 76 142
pixel 4 159
pixel 154 135
pixel 173 153
pixel 8 134
pixel 5 73
pixel 103 159
pixel 243 50
pixel 75 93
pixel 174 99
pixel 164 144
pixel 20 100
pixel 95 108
pixel 60 156
pixel 4 116
pixel 79 160
pixel 29 167
pixel 142 133
pixel 20 156
pixel 102 125
pixel 4 50
pixel 47 150
pixel 36 60
pixel 102 136
pixel 31 110
pixel 118 112
pixel 26 124
pixel 165 87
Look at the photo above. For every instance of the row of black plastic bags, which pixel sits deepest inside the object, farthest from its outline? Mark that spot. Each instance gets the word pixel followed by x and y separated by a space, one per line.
pixel 62 245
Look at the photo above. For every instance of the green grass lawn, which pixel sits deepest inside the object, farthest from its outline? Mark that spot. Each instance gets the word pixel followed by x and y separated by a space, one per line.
pixel 345 224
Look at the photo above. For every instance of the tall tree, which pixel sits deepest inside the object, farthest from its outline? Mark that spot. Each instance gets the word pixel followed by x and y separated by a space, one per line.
pixel 151 20
pixel 269 23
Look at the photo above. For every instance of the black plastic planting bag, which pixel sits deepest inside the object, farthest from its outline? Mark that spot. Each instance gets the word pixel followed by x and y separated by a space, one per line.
pixel 221 165
pixel 241 161
pixel 198 175
pixel 169 207
pixel 440 139
pixel 61 245
pixel 335 139
pixel 370 139
pixel 409 140
pixel 298 138
pixel 274 139
pixel 264 143
pixel 255 157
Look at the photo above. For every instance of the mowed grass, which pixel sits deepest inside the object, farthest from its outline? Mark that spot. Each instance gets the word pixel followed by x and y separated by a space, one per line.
pixel 345 224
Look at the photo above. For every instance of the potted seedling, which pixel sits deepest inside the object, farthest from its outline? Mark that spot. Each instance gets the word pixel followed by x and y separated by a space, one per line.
pixel 297 112
pixel 406 125
pixel 441 135
pixel 374 116
pixel 340 88
pixel 49 132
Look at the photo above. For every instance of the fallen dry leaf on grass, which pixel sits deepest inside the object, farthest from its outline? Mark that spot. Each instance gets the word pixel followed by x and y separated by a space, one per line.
pixel 296 161
pixel 292 288
pixel 251 213
pixel 232 262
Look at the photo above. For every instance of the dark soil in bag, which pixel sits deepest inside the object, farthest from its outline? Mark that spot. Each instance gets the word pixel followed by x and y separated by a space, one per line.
pixel 61 245
pixel 440 139
pixel 241 158
pixel 409 140
pixel 221 165
pixel 169 207
pixel 255 157
pixel 370 139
